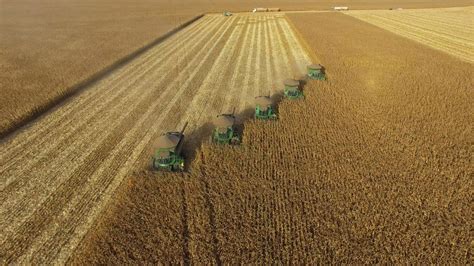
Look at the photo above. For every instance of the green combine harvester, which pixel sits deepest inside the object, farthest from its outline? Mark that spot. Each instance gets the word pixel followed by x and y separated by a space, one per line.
pixel 227 14
pixel 168 150
pixel 292 89
pixel 224 131
pixel 264 109
pixel 316 72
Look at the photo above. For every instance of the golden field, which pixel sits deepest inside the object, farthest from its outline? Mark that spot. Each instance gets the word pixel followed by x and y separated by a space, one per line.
pixel 50 49
pixel 447 29
pixel 374 166
pixel 69 163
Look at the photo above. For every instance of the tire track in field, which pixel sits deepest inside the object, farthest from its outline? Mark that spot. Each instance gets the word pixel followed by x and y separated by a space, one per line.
pixel 69 182
pixel 303 59
pixel 209 92
pixel 128 148
pixel 289 57
pixel 236 77
pixel 82 101
pixel 283 66
pixel 269 64
pixel 69 151
pixel 276 57
pixel 248 66
pixel 255 85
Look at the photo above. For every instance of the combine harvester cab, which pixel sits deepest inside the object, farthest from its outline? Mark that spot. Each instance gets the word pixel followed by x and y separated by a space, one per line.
pixel 224 131
pixel 264 109
pixel 292 89
pixel 316 72
pixel 168 150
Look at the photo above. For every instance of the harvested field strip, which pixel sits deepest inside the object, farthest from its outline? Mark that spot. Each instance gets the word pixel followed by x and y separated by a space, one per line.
pixel 116 160
pixel 443 29
pixel 21 188
pixel 70 162
pixel 114 85
pixel 233 80
pixel 48 187
pixel 88 106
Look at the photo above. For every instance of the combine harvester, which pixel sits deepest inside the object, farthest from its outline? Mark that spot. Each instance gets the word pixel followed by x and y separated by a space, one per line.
pixel 316 72
pixel 224 131
pixel 264 109
pixel 227 14
pixel 292 89
pixel 168 150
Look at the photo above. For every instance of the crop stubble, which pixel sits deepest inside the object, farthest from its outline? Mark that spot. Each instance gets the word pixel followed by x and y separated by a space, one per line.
pixel 58 173
pixel 446 29
pixel 374 166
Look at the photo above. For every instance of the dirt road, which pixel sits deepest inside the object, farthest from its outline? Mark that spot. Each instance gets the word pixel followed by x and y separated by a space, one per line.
pixel 58 173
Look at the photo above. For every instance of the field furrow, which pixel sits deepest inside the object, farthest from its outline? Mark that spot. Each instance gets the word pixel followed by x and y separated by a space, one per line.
pixel 59 173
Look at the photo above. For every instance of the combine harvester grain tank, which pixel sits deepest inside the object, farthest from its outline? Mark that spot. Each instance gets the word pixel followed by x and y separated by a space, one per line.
pixel 264 108
pixel 168 152
pixel 292 89
pixel 316 72
pixel 224 130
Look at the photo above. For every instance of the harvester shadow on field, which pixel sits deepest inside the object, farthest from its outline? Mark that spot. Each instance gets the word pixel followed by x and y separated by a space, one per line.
pixel 194 140
pixel 277 97
pixel 202 135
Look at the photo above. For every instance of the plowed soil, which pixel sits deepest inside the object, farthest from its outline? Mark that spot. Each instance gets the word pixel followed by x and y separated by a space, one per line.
pixel 57 174
pixel 373 166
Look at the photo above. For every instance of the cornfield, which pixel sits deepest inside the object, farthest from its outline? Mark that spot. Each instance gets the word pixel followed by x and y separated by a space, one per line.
pixel 374 166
